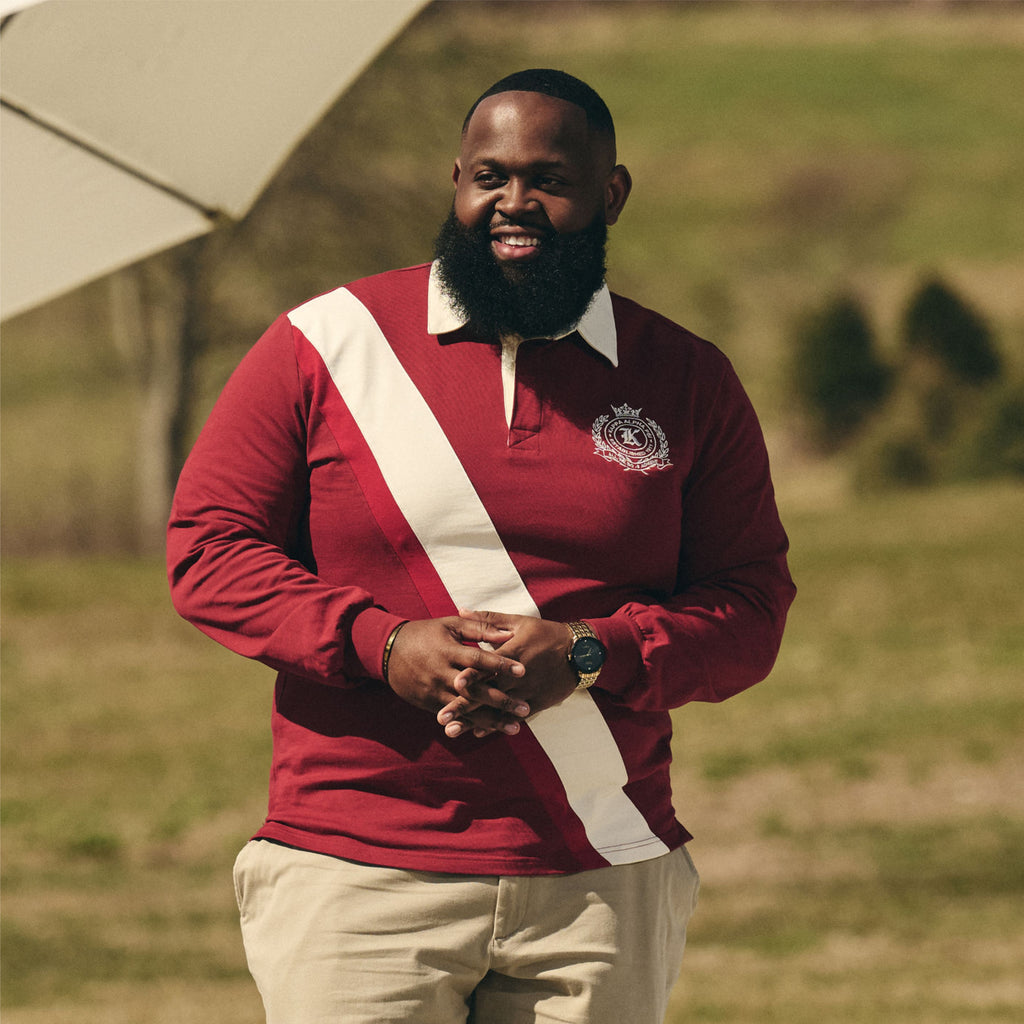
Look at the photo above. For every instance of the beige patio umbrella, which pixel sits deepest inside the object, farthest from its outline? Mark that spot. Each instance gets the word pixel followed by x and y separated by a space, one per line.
pixel 132 125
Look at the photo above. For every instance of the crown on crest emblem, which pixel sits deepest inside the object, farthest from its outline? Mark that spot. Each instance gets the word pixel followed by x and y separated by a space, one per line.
pixel 636 443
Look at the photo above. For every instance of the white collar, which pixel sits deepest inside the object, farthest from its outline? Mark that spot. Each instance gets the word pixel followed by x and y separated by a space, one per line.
pixel 596 326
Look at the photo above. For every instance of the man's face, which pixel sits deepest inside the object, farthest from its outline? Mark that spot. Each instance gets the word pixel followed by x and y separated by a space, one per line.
pixel 522 251
pixel 530 167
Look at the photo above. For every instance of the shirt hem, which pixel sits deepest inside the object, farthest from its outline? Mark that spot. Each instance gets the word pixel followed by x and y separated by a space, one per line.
pixel 454 862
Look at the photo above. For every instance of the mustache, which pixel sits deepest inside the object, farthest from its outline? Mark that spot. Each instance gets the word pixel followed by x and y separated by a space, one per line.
pixel 545 231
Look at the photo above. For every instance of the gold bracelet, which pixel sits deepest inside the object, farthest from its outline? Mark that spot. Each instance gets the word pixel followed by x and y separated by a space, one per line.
pixel 387 650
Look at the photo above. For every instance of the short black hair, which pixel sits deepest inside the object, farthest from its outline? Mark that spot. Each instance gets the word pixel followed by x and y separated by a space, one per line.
pixel 561 86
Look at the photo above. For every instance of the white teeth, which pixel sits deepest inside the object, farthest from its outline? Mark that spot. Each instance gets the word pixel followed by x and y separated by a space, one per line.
pixel 521 242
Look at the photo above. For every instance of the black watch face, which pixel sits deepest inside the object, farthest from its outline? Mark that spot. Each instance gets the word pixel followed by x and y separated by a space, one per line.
pixel 588 654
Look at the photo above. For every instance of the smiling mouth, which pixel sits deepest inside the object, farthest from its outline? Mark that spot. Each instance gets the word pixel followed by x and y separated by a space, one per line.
pixel 515 247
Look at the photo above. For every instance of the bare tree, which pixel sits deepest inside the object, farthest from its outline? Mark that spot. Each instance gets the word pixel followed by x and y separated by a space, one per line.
pixel 156 308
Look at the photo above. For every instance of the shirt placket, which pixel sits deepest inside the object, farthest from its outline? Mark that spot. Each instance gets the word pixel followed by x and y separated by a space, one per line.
pixel 527 409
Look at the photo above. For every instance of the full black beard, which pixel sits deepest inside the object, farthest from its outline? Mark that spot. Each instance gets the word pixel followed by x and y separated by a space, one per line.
pixel 540 299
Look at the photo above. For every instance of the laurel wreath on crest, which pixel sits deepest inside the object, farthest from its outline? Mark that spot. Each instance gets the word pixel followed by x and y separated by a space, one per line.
pixel 615 440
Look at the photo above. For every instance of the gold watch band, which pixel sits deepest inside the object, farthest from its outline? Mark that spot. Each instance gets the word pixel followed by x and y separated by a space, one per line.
pixel 577 631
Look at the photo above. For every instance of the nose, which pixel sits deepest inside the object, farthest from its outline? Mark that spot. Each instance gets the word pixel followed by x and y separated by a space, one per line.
pixel 516 199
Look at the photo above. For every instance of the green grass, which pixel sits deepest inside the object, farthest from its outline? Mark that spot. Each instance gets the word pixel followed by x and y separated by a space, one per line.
pixel 858 817
pixel 134 762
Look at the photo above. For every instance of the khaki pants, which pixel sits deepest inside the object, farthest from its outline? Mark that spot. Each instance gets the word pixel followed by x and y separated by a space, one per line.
pixel 333 942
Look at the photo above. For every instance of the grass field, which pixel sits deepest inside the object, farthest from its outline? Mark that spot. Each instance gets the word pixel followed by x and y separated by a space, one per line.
pixel 859 818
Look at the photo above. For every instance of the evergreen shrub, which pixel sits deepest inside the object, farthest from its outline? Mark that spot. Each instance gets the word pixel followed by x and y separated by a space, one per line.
pixel 837 376
pixel 941 324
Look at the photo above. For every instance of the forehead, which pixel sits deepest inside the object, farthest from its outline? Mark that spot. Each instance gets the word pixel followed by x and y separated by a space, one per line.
pixel 529 127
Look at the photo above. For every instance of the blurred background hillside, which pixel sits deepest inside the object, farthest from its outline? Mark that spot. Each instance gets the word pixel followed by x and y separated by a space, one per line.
pixel 802 172
pixel 782 155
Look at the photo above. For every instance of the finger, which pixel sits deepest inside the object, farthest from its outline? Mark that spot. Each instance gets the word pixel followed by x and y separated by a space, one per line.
pixel 486 687
pixel 484 722
pixel 455 729
pixel 481 692
pixel 487 664
pixel 461 714
pixel 482 726
pixel 455 709
pixel 496 620
pixel 474 632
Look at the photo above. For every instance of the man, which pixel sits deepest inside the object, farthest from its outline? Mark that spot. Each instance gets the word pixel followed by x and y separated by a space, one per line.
pixel 489 523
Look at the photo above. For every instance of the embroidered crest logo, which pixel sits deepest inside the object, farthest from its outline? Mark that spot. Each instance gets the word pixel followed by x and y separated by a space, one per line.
pixel 635 443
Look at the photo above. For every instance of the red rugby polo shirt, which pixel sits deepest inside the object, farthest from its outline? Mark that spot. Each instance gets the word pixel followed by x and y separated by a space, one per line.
pixel 359 470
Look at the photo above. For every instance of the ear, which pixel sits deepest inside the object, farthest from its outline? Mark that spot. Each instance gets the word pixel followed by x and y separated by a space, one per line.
pixel 616 192
pixel 456 173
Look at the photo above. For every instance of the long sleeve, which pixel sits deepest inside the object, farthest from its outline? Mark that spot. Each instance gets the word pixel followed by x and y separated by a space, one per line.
pixel 238 559
pixel 720 631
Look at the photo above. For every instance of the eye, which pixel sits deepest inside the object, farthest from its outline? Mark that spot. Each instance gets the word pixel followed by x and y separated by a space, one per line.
pixel 488 179
pixel 550 183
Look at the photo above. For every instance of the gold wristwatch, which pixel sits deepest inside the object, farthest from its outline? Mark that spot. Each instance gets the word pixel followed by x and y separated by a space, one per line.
pixel 586 654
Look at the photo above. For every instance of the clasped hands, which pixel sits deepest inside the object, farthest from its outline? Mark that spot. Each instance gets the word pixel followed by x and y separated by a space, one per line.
pixel 435 664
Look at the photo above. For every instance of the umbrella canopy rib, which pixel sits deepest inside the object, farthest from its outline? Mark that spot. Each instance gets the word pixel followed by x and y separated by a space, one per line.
pixel 208 212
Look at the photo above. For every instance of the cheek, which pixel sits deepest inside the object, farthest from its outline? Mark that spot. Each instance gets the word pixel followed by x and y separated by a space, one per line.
pixel 569 218
pixel 471 209
pixel 569 225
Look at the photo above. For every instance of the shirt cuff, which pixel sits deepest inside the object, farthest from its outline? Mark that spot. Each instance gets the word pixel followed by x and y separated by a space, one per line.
pixel 624 664
pixel 370 631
